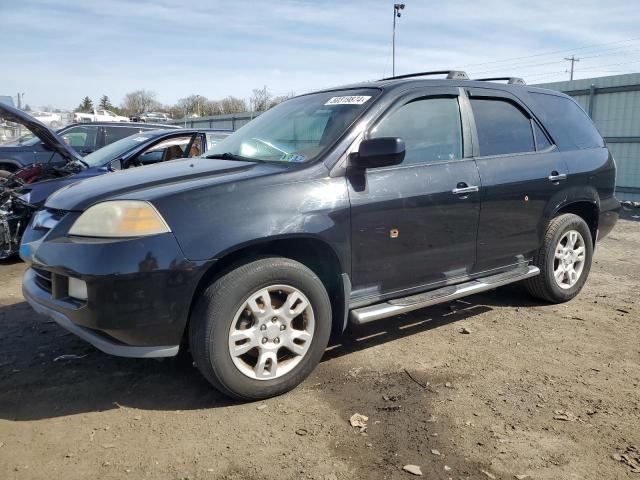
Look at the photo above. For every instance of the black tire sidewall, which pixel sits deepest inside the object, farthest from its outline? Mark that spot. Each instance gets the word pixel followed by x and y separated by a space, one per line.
pixel 572 222
pixel 223 299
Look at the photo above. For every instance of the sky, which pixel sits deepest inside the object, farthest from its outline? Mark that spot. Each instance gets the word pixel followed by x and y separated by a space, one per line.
pixel 56 52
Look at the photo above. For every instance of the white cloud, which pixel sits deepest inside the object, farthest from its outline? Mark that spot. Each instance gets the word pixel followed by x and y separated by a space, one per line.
pixel 60 51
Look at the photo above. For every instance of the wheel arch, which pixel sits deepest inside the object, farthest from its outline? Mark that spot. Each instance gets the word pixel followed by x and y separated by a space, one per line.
pixel 588 210
pixel 311 251
pixel 9 165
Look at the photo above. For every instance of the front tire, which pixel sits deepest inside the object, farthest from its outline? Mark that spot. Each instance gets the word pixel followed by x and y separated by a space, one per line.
pixel 261 328
pixel 564 260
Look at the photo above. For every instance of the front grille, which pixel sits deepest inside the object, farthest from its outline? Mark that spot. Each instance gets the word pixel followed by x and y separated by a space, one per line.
pixel 43 279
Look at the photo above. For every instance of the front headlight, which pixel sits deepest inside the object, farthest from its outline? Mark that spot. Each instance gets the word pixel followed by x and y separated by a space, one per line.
pixel 119 218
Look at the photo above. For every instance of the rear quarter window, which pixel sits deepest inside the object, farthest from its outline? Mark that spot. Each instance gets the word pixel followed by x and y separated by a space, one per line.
pixel 568 124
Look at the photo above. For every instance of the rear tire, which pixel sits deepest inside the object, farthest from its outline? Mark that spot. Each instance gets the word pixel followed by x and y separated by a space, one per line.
pixel 564 260
pixel 252 345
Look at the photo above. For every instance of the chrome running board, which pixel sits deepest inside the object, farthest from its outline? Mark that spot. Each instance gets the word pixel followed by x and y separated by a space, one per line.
pixel 397 306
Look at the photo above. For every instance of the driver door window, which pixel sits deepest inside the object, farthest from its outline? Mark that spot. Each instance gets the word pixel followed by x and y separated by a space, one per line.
pixel 197 147
pixel 407 226
pixel 430 128
pixel 164 151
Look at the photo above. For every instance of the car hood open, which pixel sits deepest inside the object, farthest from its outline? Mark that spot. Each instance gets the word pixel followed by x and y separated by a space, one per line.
pixel 40 130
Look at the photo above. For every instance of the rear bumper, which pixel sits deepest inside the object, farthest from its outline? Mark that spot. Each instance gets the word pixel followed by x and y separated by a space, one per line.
pixel 42 303
pixel 609 213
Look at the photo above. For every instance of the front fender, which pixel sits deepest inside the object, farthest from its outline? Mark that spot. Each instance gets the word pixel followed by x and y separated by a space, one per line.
pixel 226 217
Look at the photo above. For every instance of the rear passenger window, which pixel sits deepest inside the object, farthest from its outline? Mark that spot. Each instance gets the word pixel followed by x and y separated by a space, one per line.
pixel 502 127
pixel 542 143
pixel 80 137
pixel 113 134
pixel 430 129
pixel 569 125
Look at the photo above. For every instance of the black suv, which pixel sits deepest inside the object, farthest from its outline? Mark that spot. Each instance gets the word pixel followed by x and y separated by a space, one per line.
pixel 84 139
pixel 356 203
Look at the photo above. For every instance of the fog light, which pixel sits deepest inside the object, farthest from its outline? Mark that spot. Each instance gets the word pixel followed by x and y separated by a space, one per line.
pixel 77 288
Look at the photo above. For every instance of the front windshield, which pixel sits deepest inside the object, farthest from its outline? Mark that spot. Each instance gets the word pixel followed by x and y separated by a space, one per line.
pixel 114 150
pixel 297 130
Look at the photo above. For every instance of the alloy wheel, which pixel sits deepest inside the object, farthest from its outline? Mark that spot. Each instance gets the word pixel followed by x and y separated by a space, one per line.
pixel 569 259
pixel 271 332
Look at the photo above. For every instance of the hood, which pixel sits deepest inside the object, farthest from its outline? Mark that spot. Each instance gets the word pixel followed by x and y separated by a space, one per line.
pixel 147 183
pixel 38 192
pixel 40 130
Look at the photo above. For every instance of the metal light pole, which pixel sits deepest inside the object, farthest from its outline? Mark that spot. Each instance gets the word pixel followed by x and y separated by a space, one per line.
pixel 396 13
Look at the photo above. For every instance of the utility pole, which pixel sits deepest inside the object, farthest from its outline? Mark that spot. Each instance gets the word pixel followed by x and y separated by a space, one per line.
pixel 396 13
pixel 573 60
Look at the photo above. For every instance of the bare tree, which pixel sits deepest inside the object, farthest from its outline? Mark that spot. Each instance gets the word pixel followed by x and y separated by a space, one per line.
pixel 212 107
pixel 276 100
pixel 139 102
pixel 232 105
pixel 193 105
pixel 202 106
pixel 260 99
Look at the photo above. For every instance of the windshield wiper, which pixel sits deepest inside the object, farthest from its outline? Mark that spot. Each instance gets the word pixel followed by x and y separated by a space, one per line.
pixel 232 156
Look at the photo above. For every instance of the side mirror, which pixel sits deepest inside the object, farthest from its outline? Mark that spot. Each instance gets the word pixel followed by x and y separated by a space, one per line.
pixel 378 152
pixel 115 165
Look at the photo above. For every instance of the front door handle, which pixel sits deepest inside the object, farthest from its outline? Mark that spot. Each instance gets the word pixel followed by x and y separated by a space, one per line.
pixel 464 189
pixel 556 177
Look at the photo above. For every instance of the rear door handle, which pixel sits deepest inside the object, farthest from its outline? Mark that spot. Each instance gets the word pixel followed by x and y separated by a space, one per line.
pixel 464 189
pixel 556 177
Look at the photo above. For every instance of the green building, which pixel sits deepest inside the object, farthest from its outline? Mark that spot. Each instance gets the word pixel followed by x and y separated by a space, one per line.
pixel 614 105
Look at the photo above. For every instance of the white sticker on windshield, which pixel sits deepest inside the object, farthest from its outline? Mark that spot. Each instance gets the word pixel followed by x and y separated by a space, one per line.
pixel 348 100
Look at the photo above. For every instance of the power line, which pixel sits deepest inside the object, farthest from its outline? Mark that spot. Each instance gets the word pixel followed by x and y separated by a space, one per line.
pixel 516 67
pixel 527 65
pixel 552 52
pixel 613 65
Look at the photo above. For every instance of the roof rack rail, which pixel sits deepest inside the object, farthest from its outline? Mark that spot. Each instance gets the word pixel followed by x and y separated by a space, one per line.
pixel 510 80
pixel 451 75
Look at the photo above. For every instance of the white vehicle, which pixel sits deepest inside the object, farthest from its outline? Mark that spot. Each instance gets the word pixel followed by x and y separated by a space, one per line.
pixel 157 117
pixel 98 116
pixel 51 119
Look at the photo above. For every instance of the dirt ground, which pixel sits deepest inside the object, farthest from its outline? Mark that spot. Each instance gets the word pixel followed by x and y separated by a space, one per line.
pixel 544 391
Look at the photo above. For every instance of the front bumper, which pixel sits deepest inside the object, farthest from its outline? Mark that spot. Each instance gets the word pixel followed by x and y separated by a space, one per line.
pixel 41 302
pixel 139 290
